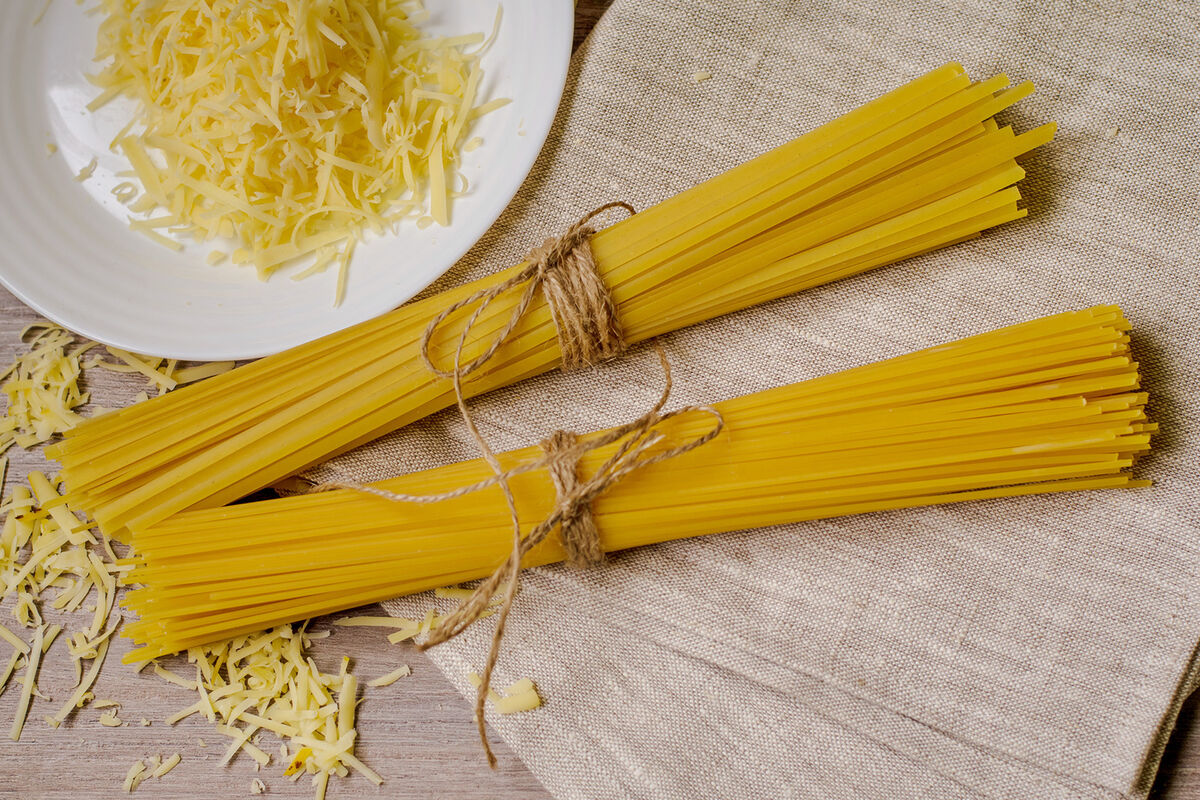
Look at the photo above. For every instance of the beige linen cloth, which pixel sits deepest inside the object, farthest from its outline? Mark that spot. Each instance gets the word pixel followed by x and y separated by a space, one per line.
pixel 1037 647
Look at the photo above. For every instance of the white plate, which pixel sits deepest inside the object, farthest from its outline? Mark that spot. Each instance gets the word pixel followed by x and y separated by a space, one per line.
pixel 67 251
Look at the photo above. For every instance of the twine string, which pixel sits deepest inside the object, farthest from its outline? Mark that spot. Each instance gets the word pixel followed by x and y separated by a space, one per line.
pixel 588 333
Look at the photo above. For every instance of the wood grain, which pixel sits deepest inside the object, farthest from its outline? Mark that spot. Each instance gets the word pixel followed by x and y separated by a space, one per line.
pixel 417 733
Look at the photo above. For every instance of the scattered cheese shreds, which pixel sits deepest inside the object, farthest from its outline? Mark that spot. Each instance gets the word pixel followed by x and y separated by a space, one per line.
pixel 42 389
pixel 42 13
pixel 109 719
pixel 257 786
pixel 135 775
pixel 267 682
pixel 290 132
pixel 515 703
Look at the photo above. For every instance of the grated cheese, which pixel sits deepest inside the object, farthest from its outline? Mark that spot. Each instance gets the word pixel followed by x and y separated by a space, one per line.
pixel 13 660
pixel 16 641
pixel 87 170
pixel 42 388
pixel 291 127
pixel 135 775
pixel 28 681
pixel 393 676
pixel 518 697
pixel 257 786
pixel 167 765
pixel 267 682
pixel 45 545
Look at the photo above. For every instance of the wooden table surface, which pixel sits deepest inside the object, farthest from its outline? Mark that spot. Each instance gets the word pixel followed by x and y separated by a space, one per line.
pixel 417 733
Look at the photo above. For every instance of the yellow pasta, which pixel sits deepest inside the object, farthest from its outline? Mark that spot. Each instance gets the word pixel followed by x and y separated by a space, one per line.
pixel 1050 405
pixel 919 168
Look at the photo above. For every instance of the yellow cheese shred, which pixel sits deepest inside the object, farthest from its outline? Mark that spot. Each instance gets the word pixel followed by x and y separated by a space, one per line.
pixel 167 765
pixel 28 683
pixel 387 680
pixel 291 126
pixel 520 696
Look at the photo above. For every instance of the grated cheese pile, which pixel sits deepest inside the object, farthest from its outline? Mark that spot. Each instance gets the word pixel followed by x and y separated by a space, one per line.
pixel 267 682
pixel 290 125
pixel 42 388
pixel 46 546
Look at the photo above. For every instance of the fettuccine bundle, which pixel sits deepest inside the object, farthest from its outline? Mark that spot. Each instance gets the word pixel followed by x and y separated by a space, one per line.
pixel 1051 405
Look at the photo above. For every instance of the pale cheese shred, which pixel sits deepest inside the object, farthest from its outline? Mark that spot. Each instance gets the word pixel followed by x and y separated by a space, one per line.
pixel 393 676
pixel 520 696
pixel 167 765
pixel 28 683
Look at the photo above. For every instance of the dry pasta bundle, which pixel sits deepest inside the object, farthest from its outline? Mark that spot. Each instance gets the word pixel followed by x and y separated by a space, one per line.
pixel 917 169
pixel 1051 405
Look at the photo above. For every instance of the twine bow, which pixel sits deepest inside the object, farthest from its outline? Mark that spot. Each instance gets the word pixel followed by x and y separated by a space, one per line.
pixel 588 332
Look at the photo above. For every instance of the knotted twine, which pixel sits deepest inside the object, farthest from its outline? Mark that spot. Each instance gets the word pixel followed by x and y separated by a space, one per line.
pixel 588 332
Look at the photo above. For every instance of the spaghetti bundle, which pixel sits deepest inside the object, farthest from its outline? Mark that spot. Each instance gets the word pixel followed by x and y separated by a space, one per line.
pixel 1051 405
pixel 917 169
